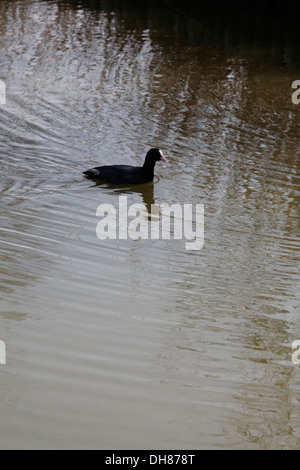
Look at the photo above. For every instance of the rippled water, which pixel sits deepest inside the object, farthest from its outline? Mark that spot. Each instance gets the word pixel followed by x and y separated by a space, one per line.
pixel 141 343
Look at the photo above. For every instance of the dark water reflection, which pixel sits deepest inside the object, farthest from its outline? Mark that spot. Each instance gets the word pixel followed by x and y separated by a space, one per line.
pixel 140 343
pixel 267 29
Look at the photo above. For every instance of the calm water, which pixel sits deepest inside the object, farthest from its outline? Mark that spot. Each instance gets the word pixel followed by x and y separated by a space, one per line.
pixel 142 344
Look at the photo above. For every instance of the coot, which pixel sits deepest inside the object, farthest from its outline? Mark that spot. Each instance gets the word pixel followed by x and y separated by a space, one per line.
pixel 127 174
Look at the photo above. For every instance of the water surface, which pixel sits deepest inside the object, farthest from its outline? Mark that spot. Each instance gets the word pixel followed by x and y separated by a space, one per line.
pixel 141 343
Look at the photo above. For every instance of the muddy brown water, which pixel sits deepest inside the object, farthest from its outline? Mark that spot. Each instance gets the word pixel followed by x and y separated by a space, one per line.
pixel 142 343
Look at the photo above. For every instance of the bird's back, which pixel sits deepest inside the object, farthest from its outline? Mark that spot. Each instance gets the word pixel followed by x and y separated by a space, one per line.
pixel 120 174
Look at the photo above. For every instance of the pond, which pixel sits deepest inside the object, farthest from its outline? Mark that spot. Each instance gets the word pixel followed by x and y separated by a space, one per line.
pixel 140 343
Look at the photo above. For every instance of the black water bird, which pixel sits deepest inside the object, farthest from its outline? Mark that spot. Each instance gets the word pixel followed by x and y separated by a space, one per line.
pixel 127 174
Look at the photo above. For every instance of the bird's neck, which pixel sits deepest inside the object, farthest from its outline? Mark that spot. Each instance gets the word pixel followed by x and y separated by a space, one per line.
pixel 148 166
